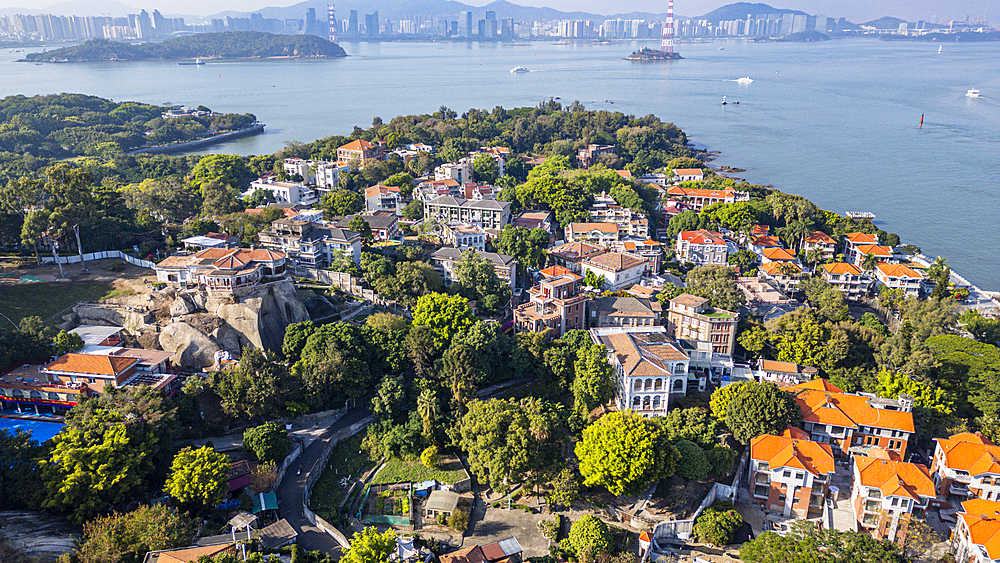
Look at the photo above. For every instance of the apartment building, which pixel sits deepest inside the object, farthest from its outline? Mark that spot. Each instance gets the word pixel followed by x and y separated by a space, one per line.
pixel 784 373
pixel 702 247
pixel 888 494
pixel 699 198
pixel 384 225
pixel 853 240
pixel 847 278
pixel 465 237
pixel 846 420
pixel 967 465
pixel 460 171
pixel 790 474
pixel 606 210
pixel 690 318
pixel 650 367
pixel 648 249
pixel 310 244
pixel 445 259
pixel 384 198
pixel 361 151
pixel 284 192
pixel 601 234
pixel 824 243
pixel 555 304
pixel 898 276
pixel 589 156
pixel 488 214
pixel 572 255
pixel 618 270
pixel 976 538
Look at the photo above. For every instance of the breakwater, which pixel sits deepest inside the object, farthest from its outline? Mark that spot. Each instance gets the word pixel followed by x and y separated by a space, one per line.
pixel 183 146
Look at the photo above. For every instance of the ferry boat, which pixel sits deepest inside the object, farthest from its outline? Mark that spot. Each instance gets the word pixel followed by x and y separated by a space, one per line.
pixel 744 80
pixel 973 93
pixel 196 62
pixel 860 214
pixel 519 70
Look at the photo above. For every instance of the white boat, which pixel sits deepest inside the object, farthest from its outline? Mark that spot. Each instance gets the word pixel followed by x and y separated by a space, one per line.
pixel 973 93
pixel 940 47
pixel 724 100
pixel 519 70
pixel 744 80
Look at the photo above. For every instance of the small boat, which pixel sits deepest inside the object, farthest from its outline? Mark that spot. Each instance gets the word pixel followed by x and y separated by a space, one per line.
pixel 940 47
pixel 724 100
pixel 518 70
pixel 196 62
pixel 744 80
pixel 973 94
pixel 860 215
pixel 722 48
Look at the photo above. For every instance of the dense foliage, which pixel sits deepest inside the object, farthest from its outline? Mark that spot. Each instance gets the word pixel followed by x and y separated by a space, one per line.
pixel 224 45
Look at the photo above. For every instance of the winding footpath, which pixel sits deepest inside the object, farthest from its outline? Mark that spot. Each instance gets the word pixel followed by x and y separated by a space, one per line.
pixel 290 491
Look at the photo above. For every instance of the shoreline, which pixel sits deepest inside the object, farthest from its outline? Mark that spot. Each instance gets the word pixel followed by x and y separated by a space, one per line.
pixel 255 129
pixel 184 59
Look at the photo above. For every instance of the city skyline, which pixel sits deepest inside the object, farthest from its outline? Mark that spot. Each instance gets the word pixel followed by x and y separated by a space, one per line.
pixel 857 11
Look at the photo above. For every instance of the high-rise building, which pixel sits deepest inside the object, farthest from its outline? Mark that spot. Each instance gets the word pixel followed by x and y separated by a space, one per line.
pixel 465 24
pixel 352 24
pixel 371 25
pixel 799 23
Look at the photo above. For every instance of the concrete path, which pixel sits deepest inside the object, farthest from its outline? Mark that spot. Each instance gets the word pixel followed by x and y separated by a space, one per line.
pixel 305 428
pixel 290 492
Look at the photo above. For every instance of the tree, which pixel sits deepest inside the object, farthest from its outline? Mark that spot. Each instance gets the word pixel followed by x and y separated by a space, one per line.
pixel 338 203
pixel 593 280
pixel 717 524
pixel 623 452
pixel 198 477
pixel 65 342
pixel 19 455
pixel 807 543
pixel 527 245
pixel 593 385
pixel 828 301
pixel 430 457
pixel 721 397
pixel 485 169
pixel 477 279
pixel 692 424
pixel 370 546
pixel 390 400
pixel 427 407
pixel 981 328
pixel 589 537
pixel 717 284
pixel 255 387
pixel 869 262
pixel 126 538
pixel 219 199
pixel 360 226
pixel 721 459
pixel 226 169
pixel 760 408
pixel 742 259
pixel 446 315
pixel 565 488
pixel 295 338
pixel 695 466
pixel 414 210
pixel 267 442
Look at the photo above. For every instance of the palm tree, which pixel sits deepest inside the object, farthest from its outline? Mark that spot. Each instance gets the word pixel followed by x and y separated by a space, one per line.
pixel 869 262
pixel 814 256
pixel 427 407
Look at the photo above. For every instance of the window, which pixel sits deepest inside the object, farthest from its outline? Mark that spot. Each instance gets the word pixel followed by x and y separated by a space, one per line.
pixel 760 491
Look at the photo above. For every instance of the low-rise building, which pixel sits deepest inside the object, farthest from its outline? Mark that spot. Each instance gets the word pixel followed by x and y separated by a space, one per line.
pixel 572 255
pixel 615 311
pixel 460 171
pixel 284 192
pixel 702 247
pixel 776 254
pixel 26 389
pixel 759 243
pixel 650 367
pixel 384 225
pixel 431 189
pixel 784 373
pixel 790 474
pixel 787 275
pixel 220 269
pixel 888 495
pixel 536 219
pixel 618 270
pixel 976 538
pixel 847 278
pixel 898 276
pixel 824 243
pixel 445 259
pixel 606 210
pixel 384 198
pixel 881 253
pixel 311 244
pixel 361 151
pixel 690 318
pixel 589 156
pixel 967 465
pixel 327 175
pixel 489 214
pixel 700 198
pixel 555 304
pixel 846 420
pixel 211 240
pixel 601 234
pixel 853 240
pixel 648 249
pixel 465 237
pixel 689 174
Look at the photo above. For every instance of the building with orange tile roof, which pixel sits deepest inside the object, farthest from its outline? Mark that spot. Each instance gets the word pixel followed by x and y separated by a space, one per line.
pixel 847 278
pixel 618 269
pixel 650 367
pixel 361 151
pixel 759 243
pixel 887 494
pixel 967 465
pixel 898 276
pixel 94 371
pixel 648 249
pixel 702 247
pixel 786 275
pixel 572 254
pixel 700 198
pixel 790 474
pixel 220 269
pixel 818 240
pixel 976 538
pixel 689 174
pixel 190 554
pixel 555 304
pixel 601 234
pixel 383 198
pixel 775 254
pixel 881 253
pixel 606 210
pixel 787 373
pixel 846 420
pixel 853 240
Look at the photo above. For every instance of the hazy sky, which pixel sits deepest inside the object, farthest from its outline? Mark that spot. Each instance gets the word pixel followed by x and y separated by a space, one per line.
pixel 854 10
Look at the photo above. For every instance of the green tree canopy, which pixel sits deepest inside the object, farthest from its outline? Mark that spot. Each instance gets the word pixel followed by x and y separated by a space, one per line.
pixel 267 442
pixel 446 315
pixel 198 477
pixel 485 169
pixel 692 424
pixel 760 408
pixel 371 546
pixel 126 538
pixel 593 384
pixel 589 536
pixel 695 466
pixel 717 524
pixel 623 452
pixel 717 284
pixel 807 543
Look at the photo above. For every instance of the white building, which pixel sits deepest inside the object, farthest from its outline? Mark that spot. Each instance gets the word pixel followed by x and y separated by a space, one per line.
pixel 619 270
pixel 650 367
pixel 702 247
pixel 464 237
pixel 460 171
pixel 285 192
pixel 898 276
pixel 977 535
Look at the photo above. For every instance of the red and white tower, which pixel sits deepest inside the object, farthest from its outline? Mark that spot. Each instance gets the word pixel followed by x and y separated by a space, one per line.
pixel 667 44
pixel 333 22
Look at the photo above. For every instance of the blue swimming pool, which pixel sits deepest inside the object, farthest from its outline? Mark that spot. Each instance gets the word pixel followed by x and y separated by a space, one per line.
pixel 41 431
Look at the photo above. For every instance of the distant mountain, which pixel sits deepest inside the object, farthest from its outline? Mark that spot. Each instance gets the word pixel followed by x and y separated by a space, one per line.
pixel 740 10
pixel 885 23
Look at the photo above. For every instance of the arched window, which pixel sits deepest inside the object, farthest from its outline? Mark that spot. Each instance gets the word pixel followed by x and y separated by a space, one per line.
pixel 679 386
pixel 656 402
pixel 679 368
pixel 36 394
pixel 658 384
pixel 649 384
pixel 54 396
pixel 637 386
pixel 635 403
pixel 645 403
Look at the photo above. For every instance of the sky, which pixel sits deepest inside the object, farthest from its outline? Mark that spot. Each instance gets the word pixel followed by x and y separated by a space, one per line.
pixel 853 10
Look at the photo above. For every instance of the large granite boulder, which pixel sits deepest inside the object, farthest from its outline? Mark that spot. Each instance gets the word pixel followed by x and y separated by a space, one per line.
pixel 192 347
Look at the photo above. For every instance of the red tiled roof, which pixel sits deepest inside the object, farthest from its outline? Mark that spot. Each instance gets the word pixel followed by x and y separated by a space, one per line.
pixel 840 268
pixel 616 261
pixel 785 451
pixel 819 237
pixel 976 457
pixel 895 478
pixel 982 517
pixel 585 227
pixel 861 238
pixel 778 254
pixel 357 145
pixel 847 410
pixel 898 271
pixel 688 171
pixel 92 364
pixel 702 236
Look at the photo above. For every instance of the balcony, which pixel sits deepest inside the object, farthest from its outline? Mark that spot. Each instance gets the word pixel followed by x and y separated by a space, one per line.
pixel 762 479
pixel 873 506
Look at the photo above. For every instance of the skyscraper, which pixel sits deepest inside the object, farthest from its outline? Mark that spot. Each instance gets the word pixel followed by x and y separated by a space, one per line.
pixel 352 24
pixel 465 24
pixel 371 25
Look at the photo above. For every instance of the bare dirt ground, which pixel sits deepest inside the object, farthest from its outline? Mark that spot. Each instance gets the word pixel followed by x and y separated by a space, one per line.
pixel 119 273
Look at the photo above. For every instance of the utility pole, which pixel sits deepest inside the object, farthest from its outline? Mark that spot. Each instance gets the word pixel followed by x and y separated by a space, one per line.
pixel 79 246
pixel 52 244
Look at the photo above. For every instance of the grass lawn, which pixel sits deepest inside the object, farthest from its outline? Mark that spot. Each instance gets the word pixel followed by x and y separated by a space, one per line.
pixel 396 471
pixel 344 461
pixel 47 299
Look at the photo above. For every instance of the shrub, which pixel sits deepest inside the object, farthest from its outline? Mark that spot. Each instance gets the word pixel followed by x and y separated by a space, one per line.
pixel 550 528
pixel 459 520
pixel 694 466
pixel 589 537
pixel 430 457
pixel 718 524
pixel 267 442
pixel 442 520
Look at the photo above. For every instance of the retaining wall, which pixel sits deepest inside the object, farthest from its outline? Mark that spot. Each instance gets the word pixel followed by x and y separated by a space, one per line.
pixel 91 256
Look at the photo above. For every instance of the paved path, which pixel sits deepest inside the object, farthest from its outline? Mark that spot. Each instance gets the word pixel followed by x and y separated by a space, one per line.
pixel 290 493
pixel 305 428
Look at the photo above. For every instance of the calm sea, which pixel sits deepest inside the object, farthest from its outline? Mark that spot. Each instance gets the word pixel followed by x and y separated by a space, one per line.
pixel 836 122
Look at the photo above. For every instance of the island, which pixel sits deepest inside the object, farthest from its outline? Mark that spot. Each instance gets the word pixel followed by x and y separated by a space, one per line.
pixel 225 45
pixel 646 54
